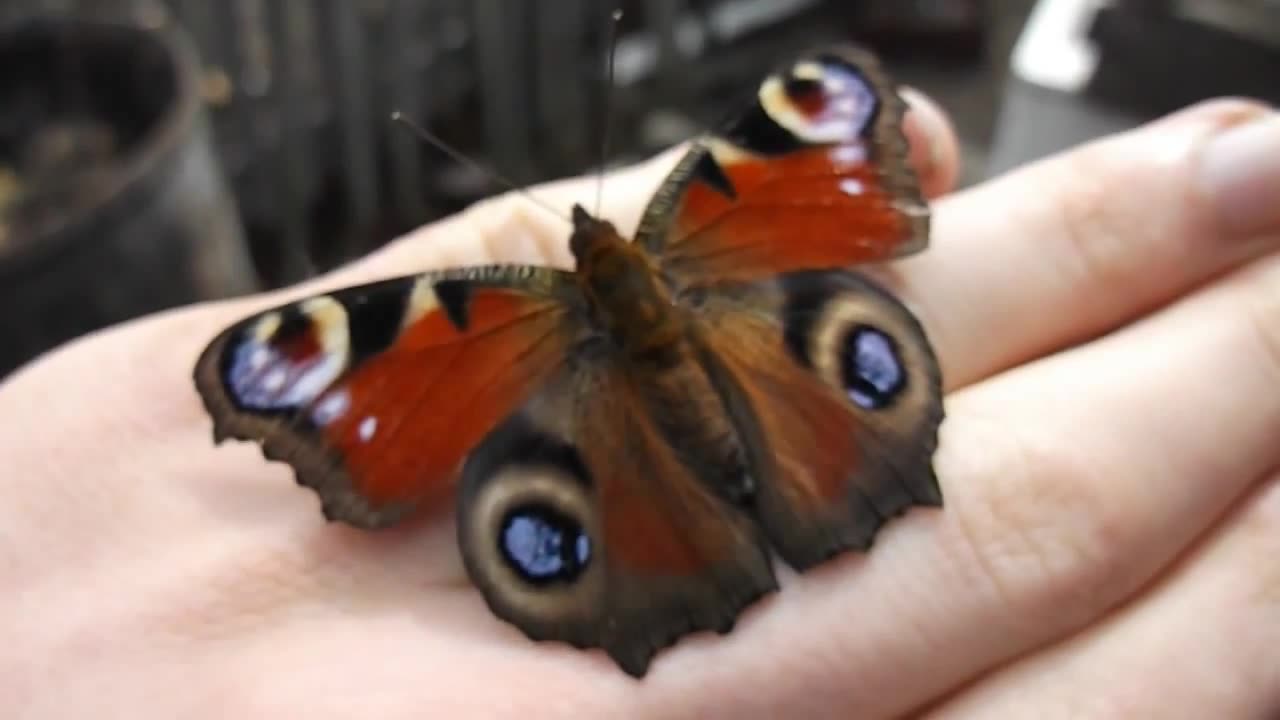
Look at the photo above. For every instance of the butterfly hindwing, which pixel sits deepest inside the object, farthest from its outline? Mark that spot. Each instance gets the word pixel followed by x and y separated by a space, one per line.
pixel 375 394
pixel 606 513
pixel 812 173
pixel 838 396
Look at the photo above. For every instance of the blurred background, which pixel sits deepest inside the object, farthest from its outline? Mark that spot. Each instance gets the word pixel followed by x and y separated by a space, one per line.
pixel 154 154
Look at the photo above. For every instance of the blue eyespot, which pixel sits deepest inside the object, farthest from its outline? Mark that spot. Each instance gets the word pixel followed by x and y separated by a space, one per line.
pixel 543 545
pixel 839 105
pixel 871 369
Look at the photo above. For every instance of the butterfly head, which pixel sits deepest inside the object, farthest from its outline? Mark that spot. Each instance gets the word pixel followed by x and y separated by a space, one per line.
pixel 606 263
pixel 591 236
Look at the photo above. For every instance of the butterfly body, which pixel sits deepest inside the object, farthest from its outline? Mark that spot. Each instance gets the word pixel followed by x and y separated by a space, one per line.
pixel 627 298
pixel 630 442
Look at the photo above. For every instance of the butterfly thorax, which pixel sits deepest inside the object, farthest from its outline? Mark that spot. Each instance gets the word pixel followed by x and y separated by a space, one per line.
pixel 629 299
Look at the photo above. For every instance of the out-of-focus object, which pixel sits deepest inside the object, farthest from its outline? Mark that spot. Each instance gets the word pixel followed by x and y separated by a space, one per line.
pixel 1156 57
pixel 300 94
pixel 1086 68
pixel 1257 21
pixel 954 28
pixel 111 201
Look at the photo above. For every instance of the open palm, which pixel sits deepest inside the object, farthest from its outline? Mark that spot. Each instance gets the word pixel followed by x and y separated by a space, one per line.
pixel 1108 322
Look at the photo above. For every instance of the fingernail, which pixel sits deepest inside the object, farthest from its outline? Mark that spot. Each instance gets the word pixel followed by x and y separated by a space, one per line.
pixel 929 158
pixel 1240 171
pixel 926 115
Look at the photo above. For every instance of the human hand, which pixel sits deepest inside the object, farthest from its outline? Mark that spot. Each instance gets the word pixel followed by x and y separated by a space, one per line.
pixel 1108 323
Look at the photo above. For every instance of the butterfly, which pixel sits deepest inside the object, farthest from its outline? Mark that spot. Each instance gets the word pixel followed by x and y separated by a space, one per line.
pixel 631 443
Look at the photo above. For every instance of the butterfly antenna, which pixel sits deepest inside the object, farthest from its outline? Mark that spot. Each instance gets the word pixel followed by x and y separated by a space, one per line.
pixel 611 52
pixel 435 141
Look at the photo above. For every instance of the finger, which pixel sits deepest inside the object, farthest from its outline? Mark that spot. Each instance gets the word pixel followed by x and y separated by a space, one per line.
pixel 1207 645
pixel 1069 484
pixel 1081 243
pixel 934 148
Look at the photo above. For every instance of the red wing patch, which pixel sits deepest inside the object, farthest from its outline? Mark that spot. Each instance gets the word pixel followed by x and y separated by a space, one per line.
pixel 376 394
pixel 813 174
pixel 819 207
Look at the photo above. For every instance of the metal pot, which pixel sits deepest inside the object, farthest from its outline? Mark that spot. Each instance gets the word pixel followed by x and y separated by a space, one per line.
pixel 112 203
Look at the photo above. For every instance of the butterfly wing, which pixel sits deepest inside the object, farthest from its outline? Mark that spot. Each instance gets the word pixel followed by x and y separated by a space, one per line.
pixel 605 513
pixel 375 394
pixel 760 218
pixel 837 395
pixel 813 173
pixel 612 502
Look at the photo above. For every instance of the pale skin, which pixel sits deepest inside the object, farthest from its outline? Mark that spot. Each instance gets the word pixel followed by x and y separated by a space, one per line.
pixel 1108 323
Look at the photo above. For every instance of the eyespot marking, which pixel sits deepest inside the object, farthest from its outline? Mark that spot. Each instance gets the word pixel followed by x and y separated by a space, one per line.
pixel 871 368
pixel 543 545
pixel 331 407
pixel 286 359
pixel 821 103
pixel 807 70
pixel 266 326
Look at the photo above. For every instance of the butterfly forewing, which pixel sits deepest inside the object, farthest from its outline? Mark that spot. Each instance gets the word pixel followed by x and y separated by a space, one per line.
pixel 375 394
pixel 811 174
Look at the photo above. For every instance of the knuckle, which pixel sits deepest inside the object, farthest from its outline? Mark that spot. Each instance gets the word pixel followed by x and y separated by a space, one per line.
pixel 1123 198
pixel 1043 537
pixel 1262 311
pixel 1106 238
pixel 1260 527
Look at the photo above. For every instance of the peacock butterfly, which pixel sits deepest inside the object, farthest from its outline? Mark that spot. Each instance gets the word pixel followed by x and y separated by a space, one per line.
pixel 628 442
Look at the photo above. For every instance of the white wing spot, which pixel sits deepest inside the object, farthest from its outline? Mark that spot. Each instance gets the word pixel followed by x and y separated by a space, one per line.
pixel 368 427
pixel 847 155
pixel 331 407
pixel 259 358
pixel 275 380
pixel 851 186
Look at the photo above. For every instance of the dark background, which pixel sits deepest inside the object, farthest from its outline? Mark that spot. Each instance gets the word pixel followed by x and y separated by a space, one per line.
pixel 154 153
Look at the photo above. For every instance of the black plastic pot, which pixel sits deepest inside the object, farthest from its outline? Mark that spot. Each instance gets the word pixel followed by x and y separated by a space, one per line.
pixel 112 203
